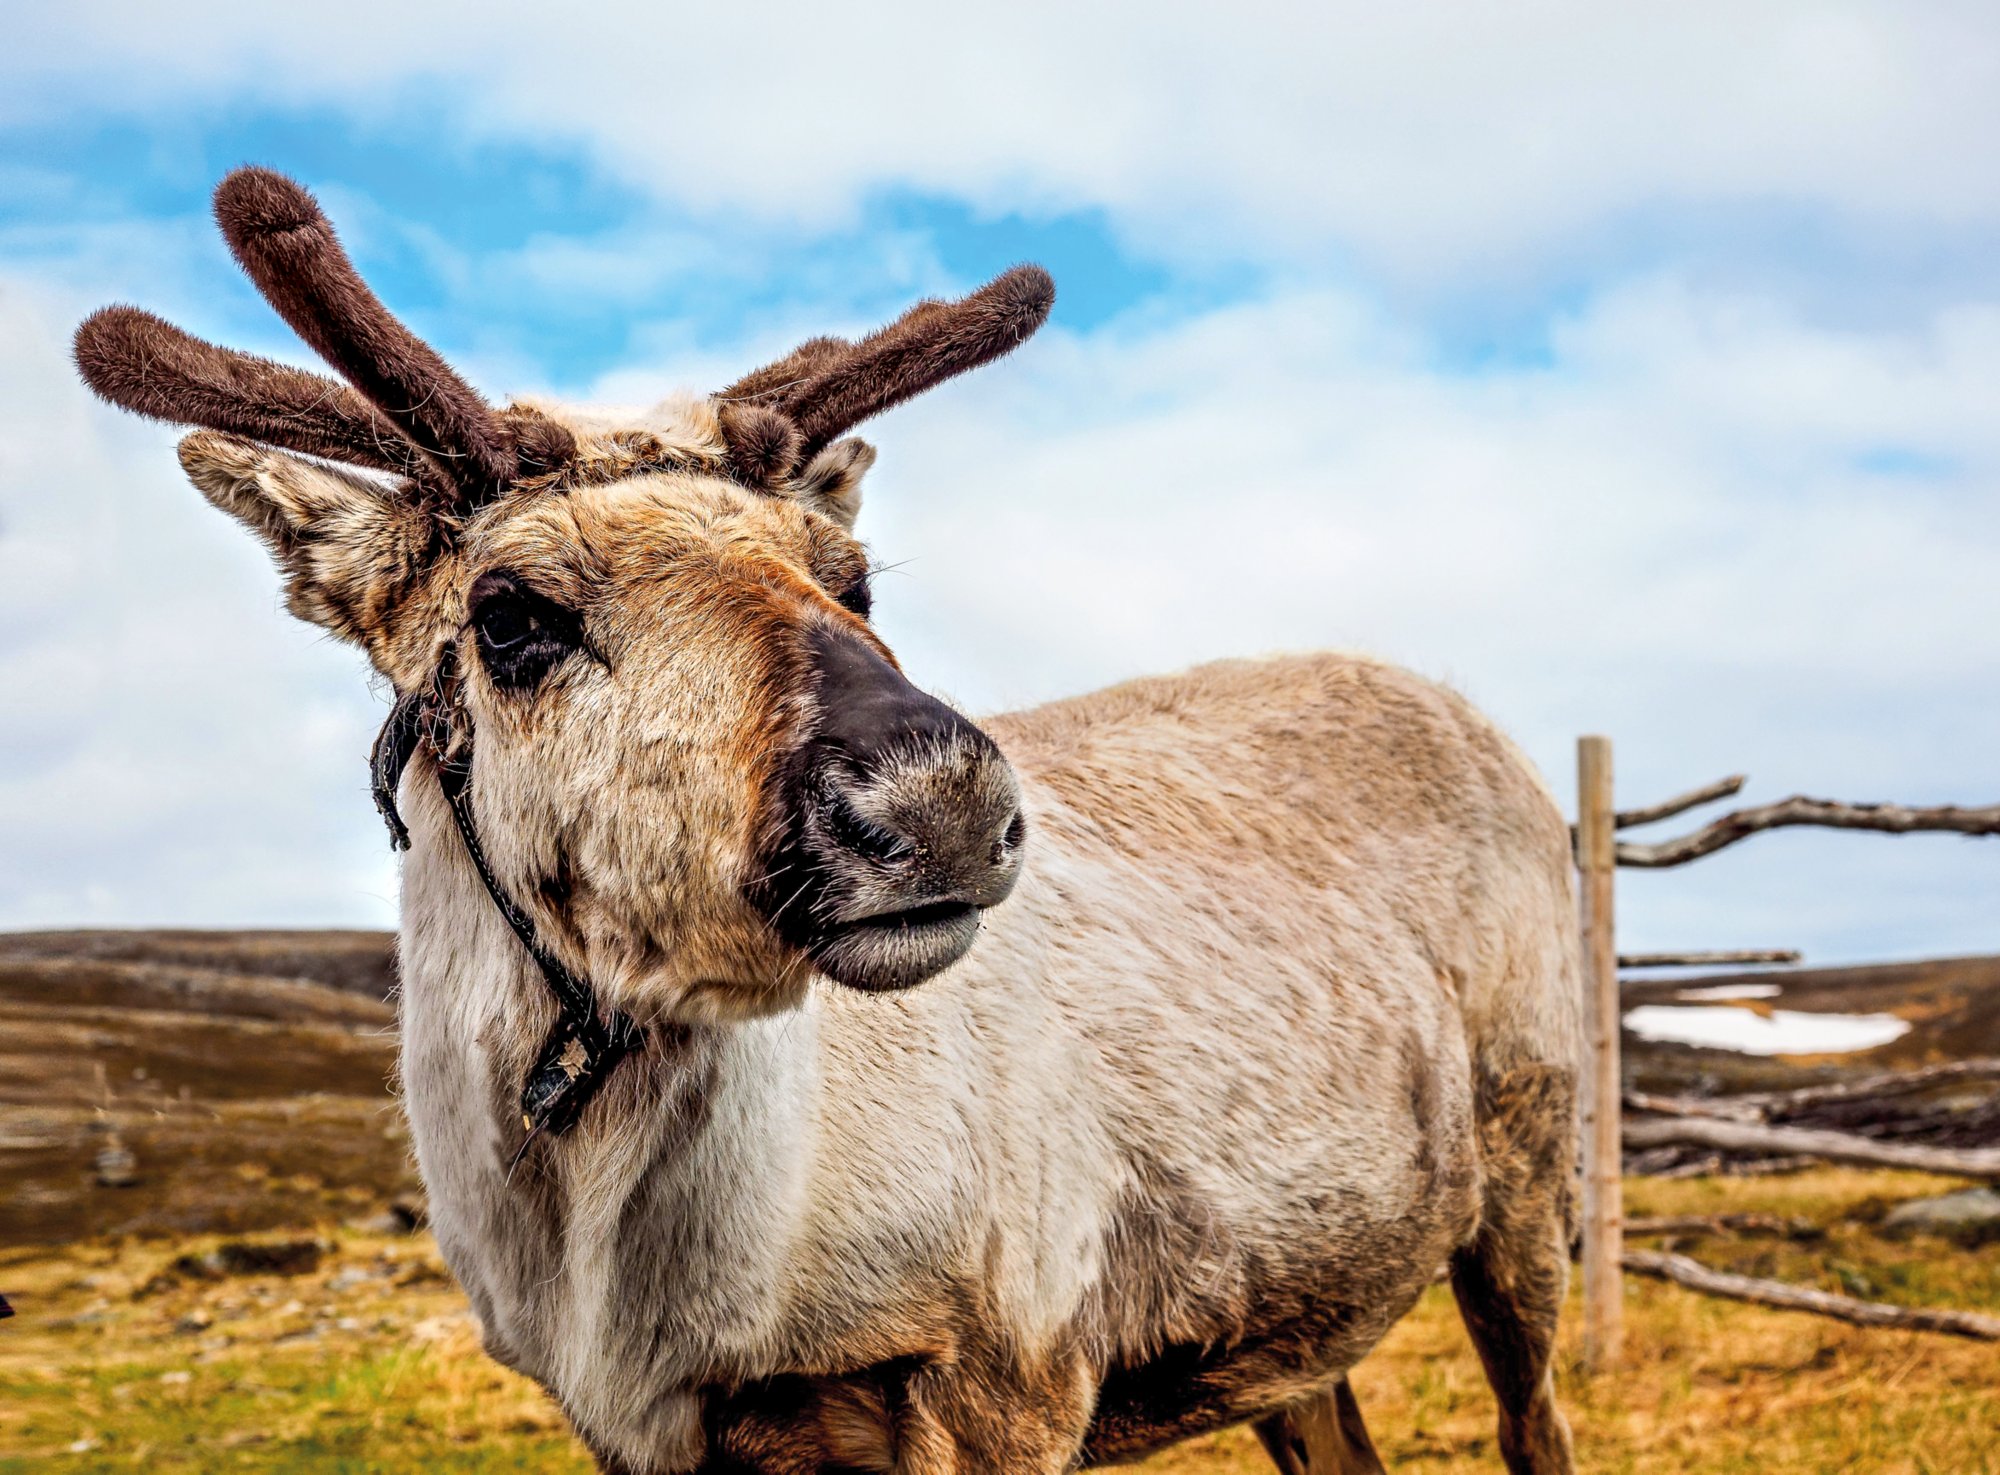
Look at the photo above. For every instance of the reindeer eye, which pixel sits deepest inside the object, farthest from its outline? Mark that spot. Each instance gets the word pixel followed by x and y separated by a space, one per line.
pixel 521 635
pixel 857 597
pixel 506 623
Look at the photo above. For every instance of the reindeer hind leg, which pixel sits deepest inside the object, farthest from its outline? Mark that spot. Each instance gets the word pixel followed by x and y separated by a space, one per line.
pixel 1510 1279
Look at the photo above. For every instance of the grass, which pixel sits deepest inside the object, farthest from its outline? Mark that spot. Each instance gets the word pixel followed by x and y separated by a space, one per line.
pixel 371 1363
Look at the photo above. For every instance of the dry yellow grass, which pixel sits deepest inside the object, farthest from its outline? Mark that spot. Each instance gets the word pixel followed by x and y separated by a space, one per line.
pixel 370 1363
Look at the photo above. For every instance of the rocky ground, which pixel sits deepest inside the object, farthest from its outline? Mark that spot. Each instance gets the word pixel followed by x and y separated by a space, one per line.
pixel 245 1075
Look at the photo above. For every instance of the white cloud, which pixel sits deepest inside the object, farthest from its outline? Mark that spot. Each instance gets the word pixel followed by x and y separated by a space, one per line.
pixel 1662 534
pixel 175 749
pixel 1666 531
pixel 1429 141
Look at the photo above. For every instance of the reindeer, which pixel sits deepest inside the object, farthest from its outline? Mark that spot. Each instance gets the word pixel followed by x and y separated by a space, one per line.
pixel 1248 996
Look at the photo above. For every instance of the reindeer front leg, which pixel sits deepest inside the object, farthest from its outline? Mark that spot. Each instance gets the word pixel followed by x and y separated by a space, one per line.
pixel 1321 1435
pixel 980 1411
pixel 990 1413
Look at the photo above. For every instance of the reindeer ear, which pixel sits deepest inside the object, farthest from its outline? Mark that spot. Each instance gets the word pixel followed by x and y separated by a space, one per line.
pixel 831 483
pixel 350 552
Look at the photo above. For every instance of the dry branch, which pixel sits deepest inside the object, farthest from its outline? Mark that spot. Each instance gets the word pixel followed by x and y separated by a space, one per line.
pixel 1724 1224
pixel 1722 788
pixel 1956 1105
pixel 1889 819
pixel 1833 1147
pixel 1625 819
pixel 1669 1165
pixel 1710 958
pixel 1698 1277
pixel 1718 1108
pixel 1872 1088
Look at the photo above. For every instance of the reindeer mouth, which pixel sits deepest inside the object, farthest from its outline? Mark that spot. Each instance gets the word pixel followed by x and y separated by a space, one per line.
pixel 898 949
pixel 903 823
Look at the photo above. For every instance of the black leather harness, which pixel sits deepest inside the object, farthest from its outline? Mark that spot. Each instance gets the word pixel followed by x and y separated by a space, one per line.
pixel 583 1046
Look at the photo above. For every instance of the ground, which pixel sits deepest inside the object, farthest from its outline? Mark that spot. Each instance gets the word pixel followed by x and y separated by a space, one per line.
pixel 369 1362
pixel 256 1112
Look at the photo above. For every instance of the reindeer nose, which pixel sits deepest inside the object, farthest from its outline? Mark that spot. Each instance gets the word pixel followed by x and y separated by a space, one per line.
pixel 933 818
pixel 911 804
pixel 904 824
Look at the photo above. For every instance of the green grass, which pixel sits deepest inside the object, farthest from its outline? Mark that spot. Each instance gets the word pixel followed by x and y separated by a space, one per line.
pixel 371 1363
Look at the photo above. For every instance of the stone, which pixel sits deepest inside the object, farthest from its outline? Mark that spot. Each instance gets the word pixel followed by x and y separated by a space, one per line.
pixel 1971 1216
pixel 116 1166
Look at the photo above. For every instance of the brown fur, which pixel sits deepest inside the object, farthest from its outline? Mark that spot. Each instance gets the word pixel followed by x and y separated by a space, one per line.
pixel 136 360
pixel 1280 1017
pixel 763 445
pixel 1321 1435
pixel 1510 1279
pixel 828 387
pixel 283 241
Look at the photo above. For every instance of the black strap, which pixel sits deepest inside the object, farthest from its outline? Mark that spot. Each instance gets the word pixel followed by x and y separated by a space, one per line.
pixel 395 744
pixel 582 1049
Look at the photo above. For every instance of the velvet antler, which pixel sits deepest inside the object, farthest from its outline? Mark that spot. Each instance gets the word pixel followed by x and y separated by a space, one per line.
pixel 280 237
pixel 827 386
pixel 409 413
pixel 137 360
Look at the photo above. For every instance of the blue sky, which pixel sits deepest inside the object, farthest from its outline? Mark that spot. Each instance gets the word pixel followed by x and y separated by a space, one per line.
pixel 435 214
pixel 1632 370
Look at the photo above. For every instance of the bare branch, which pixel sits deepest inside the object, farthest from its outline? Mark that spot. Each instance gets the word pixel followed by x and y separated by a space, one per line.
pixel 1833 1147
pixel 1625 819
pixel 1721 1109
pixel 1666 1164
pixel 1875 1087
pixel 1891 819
pixel 1785 1228
pixel 1710 958
pixel 1698 1277
pixel 1722 788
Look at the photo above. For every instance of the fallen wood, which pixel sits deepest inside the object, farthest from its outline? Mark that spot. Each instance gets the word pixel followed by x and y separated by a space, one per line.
pixel 1714 1108
pixel 1708 1165
pixel 1653 1162
pixel 1719 1165
pixel 1956 1125
pixel 1710 958
pixel 1724 1224
pixel 1890 819
pixel 1767 1167
pixel 1833 1147
pixel 1875 1087
pixel 1698 1277
pixel 1892 1107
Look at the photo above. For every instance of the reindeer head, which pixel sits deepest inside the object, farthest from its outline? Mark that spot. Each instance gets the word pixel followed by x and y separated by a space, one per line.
pixel 696 765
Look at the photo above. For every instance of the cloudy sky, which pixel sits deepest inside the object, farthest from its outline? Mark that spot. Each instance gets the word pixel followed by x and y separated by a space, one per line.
pixel 1635 368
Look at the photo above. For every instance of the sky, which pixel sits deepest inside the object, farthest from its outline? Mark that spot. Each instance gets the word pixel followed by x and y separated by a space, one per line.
pixel 1635 369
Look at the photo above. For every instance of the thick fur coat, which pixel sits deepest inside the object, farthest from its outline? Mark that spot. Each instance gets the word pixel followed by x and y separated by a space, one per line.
pixel 1179 1141
pixel 1252 993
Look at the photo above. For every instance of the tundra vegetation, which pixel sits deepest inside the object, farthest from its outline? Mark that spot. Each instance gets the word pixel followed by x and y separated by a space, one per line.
pixel 257 1111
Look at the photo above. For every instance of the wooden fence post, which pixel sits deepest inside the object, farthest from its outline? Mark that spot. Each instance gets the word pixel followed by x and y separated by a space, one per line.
pixel 1603 1192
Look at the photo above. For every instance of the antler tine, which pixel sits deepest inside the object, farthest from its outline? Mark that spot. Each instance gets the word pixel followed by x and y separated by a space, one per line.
pixel 827 387
pixel 147 365
pixel 279 235
pixel 775 380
